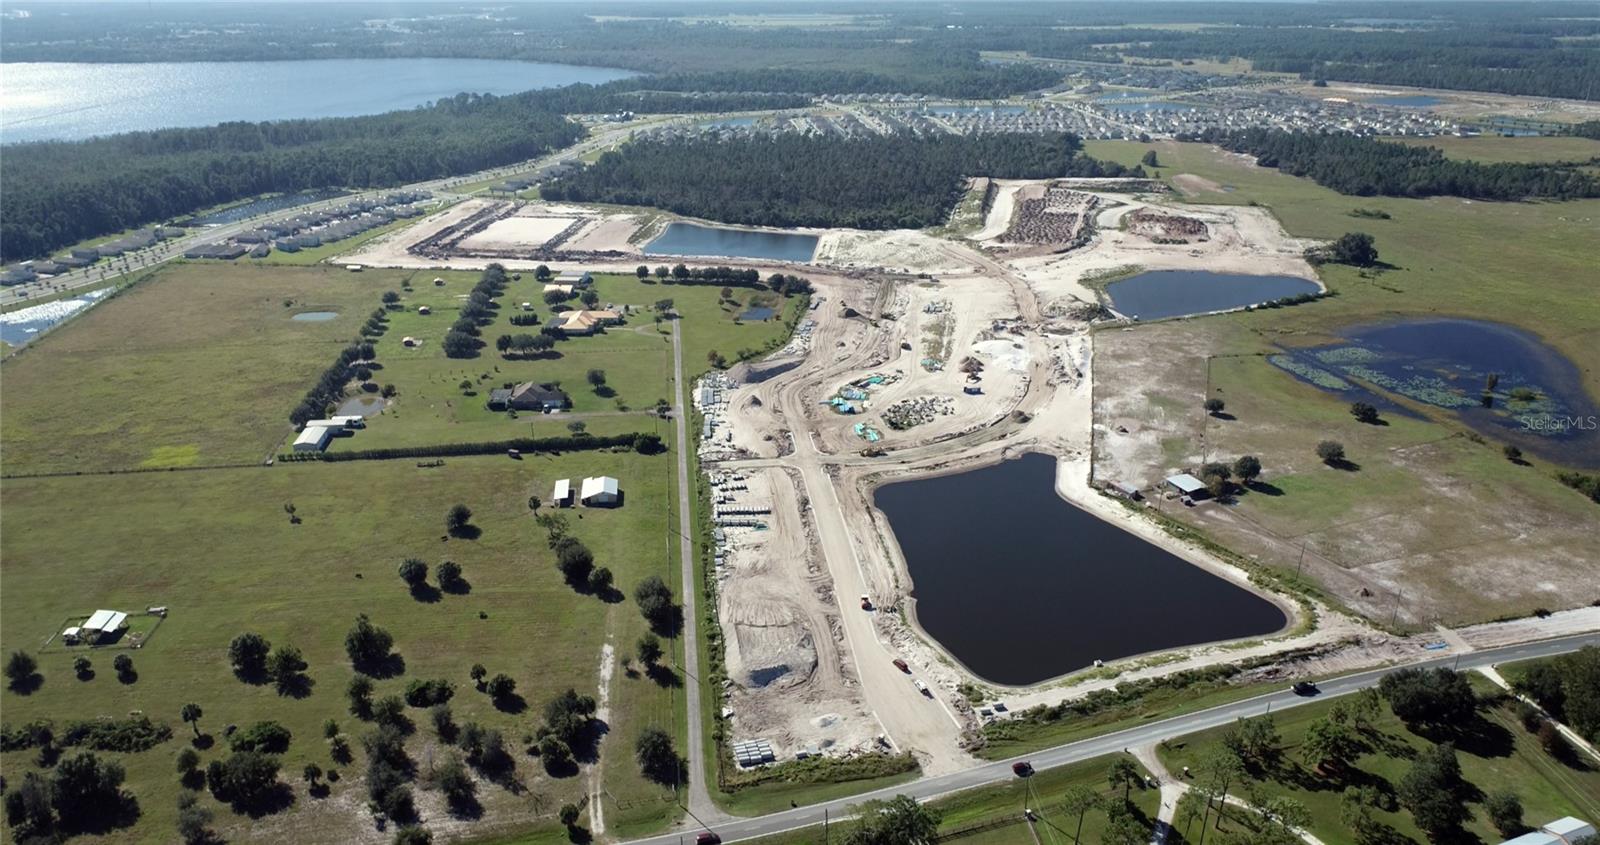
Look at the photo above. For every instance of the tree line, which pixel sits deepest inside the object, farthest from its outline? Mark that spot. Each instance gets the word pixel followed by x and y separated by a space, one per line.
pixel 886 182
pixel 1365 167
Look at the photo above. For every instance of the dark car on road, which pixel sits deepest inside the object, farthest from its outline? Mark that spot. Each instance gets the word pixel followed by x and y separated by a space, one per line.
pixel 1304 688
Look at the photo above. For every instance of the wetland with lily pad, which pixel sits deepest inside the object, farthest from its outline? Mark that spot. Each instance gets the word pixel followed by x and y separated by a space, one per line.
pixel 1499 380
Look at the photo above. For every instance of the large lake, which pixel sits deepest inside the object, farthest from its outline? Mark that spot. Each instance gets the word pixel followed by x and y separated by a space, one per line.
pixel 68 101
pixel 1022 586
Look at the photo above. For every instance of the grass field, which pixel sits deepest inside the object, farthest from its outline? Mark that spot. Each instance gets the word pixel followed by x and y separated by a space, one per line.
pixel 432 407
pixel 1003 802
pixel 217 548
pixel 1495 754
pixel 200 365
pixel 1495 148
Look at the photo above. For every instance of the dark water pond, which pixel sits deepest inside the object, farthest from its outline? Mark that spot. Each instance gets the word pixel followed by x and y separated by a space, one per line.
pixel 1538 403
pixel 716 242
pixel 1416 101
pixel 314 316
pixel 1176 293
pixel 266 205
pixel 1022 586
pixel 757 313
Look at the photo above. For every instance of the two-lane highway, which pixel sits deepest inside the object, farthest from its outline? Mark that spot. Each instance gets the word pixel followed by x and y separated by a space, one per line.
pixel 1110 743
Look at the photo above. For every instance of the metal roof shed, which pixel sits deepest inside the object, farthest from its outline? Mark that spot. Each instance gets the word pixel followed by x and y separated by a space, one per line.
pixel 1186 484
pixel 313 439
pixel 1537 837
pixel 1571 829
pixel 600 490
pixel 562 497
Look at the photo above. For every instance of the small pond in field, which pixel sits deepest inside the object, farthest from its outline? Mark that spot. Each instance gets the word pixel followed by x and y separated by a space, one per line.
pixel 1177 293
pixel 1538 401
pixel 1022 586
pixel 367 405
pixel 314 316
pixel 717 242
pixel 757 314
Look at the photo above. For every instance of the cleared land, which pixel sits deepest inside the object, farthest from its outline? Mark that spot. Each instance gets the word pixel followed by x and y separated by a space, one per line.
pixel 198 366
pixel 218 549
pixel 1494 751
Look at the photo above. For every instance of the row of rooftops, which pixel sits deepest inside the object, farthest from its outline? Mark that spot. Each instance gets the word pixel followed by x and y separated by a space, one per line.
pixel 83 256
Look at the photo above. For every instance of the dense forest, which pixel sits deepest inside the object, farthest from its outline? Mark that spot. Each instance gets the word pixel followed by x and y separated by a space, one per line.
pixel 888 182
pixel 1367 167
pixel 1538 48
pixel 59 193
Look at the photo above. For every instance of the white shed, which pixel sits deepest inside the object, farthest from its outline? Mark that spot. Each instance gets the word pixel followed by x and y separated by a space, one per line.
pixel 313 439
pixel 104 622
pixel 562 496
pixel 1570 829
pixel 600 491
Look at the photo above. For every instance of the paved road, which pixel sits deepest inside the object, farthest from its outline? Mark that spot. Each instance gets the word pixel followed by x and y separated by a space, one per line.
pixel 1154 732
pixel 700 804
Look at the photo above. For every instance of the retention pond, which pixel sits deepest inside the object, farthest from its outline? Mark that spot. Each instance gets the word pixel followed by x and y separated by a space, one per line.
pixel 716 242
pixel 1021 586
pixel 1180 293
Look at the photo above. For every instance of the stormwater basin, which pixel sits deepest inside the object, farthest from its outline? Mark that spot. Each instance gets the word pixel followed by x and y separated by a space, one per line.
pixel 314 316
pixel 716 242
pixel 1538 402
pixel 1179 293
pixel 1022 586
pixel 757 314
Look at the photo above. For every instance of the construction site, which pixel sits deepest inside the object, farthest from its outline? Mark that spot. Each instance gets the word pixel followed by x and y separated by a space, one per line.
pixel 922 355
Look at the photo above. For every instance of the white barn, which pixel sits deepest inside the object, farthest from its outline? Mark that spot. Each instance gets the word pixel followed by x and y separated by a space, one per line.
pixel 600 491
pixel 313 439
